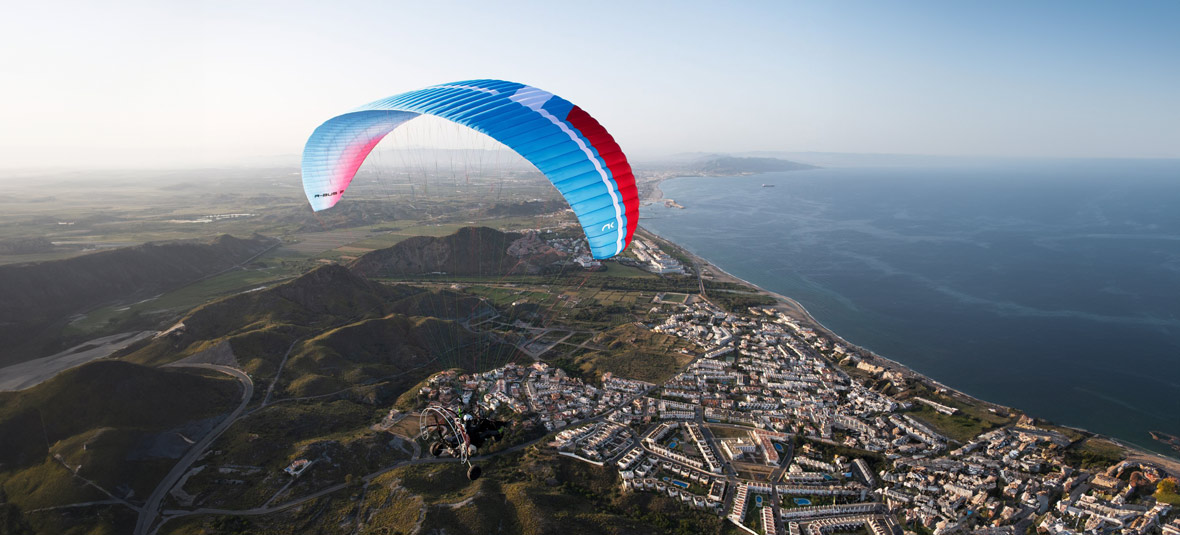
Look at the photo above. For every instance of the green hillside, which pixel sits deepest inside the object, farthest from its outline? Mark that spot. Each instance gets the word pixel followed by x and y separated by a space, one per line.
pixel 107 393
pixel 94 418
pixel 343 330
pixel 400 349
pixel 479 251
pixel 262 324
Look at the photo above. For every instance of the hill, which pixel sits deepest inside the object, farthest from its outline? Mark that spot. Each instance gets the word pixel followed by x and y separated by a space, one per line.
pixel 734 165
pixel 354 343
pixel 106 393
pixel 525 208
pixel 328 292
pixel 263 323
pixel 39 297
pixel 342 329
pixel 95 417
pixel 396 350
pixel 479 251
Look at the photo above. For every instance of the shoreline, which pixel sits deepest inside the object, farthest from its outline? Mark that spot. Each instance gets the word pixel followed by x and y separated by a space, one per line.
pixel 796 310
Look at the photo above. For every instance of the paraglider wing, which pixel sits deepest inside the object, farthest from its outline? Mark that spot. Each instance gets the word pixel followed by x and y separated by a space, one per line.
pixel 565 143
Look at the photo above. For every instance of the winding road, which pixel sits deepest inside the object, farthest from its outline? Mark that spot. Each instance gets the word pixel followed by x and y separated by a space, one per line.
pixel 150 510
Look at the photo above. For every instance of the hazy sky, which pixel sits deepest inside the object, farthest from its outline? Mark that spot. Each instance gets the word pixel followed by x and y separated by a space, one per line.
pixel 208 82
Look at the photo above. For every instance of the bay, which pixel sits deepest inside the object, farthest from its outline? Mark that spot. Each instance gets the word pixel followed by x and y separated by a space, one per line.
pixel 1049 286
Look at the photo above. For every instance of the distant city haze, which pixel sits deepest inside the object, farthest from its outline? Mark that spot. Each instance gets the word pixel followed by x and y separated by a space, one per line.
pixel 215 83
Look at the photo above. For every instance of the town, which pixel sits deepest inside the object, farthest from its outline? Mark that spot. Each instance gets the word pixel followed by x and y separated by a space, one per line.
pixel 768 428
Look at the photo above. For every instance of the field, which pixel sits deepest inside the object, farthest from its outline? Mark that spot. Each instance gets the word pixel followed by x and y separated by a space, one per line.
pixel 75 213
pixel 971 420
pixel 626 351
pixel 1094 453
pixel 674 298
pixel 185 298
pixel 366 238
pixel 729 432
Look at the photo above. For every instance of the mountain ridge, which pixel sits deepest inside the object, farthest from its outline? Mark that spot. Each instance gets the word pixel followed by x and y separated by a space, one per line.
pixel 38 297
pixel 738 165
pixel 480 251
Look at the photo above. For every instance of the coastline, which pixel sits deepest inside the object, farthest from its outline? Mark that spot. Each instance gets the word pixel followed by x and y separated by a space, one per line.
pixel 797 311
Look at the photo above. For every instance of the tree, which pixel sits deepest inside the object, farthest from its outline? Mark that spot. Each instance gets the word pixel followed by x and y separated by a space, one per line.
pixel 1165 491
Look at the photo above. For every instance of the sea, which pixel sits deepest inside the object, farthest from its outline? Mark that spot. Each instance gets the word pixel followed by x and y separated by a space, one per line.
pixel 1048 286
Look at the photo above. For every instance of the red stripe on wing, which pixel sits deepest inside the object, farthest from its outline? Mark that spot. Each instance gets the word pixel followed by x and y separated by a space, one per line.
pixel 615 160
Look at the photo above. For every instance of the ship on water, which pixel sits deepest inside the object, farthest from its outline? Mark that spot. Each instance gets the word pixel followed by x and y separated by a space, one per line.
pixel 768 185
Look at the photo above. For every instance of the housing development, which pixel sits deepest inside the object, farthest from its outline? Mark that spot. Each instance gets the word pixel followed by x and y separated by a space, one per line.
pixel 779 429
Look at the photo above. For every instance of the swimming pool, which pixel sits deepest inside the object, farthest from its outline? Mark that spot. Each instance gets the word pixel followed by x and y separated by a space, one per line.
pixel 672 445
pixel 680 483
pixel 801 501
pixel 778 447
pixel 757 501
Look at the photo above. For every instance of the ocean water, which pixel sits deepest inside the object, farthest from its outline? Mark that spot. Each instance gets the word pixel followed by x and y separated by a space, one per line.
pixel 1049 286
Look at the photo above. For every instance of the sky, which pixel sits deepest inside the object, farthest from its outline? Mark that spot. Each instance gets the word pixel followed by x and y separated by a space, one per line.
pixel 210 83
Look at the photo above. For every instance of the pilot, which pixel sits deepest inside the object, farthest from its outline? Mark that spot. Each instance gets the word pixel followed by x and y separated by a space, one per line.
pixel 479 430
